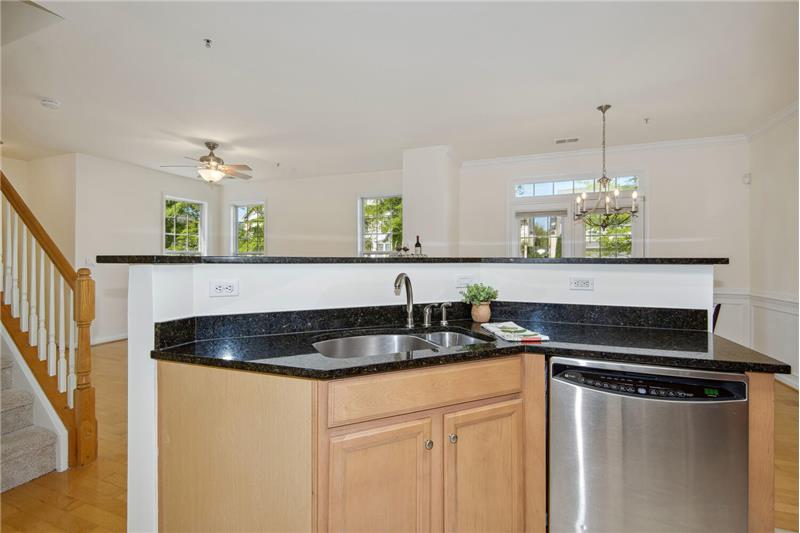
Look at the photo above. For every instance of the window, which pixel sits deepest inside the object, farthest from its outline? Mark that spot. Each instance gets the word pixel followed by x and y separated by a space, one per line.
pixel 184 227
pixel 540 234
pixel 380 225
pixel 248 229
pixel 541 220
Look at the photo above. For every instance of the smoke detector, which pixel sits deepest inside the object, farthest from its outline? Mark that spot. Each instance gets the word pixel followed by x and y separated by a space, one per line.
pixel 566 140
pixel 50 103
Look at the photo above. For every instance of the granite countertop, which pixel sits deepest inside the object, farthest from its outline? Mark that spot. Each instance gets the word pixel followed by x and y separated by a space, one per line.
pixel 293 354
pixel 261 259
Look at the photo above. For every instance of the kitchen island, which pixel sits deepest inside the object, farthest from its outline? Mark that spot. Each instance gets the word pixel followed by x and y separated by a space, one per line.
pixel 282 411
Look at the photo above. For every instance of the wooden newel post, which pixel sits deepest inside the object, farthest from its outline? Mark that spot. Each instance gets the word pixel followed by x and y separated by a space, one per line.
pixel 85 421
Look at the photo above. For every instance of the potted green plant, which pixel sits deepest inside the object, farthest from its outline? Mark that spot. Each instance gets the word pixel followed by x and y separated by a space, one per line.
pixel 480 296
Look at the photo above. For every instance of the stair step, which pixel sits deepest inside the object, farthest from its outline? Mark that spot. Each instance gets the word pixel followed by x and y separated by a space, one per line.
pixel 16 410
pixel 6 381
pixel 26 454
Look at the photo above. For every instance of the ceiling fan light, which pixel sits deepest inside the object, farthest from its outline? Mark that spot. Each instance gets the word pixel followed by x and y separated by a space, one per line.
pixel 211 175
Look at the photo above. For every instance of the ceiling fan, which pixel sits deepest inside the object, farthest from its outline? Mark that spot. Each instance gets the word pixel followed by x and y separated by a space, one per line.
pixel 212 168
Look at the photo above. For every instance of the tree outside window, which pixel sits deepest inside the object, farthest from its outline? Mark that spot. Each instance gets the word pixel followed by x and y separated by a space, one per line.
pixel 614 241
pixel 381 225
pixel 249 230
pixel 183 221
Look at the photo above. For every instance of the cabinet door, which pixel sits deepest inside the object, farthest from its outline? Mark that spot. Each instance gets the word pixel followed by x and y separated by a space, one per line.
pixel 483 468
pixel 380 479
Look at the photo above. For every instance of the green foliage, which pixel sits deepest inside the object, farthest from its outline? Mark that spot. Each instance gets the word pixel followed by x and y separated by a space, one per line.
pixel 383 223
pixel 478 293
pixel 613 241
pixel 182 227
pixel 250 229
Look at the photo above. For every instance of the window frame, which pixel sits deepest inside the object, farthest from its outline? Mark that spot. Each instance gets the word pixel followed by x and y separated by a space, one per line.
pixel 234 228
pixel 573 243
pixel 360 219
pixel 202 244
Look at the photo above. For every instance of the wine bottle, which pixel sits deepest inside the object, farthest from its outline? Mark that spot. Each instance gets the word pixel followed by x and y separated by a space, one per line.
pixel 418 247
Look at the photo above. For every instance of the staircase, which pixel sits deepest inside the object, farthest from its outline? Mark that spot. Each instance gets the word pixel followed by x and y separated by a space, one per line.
pixel 26 451
pixel 47 309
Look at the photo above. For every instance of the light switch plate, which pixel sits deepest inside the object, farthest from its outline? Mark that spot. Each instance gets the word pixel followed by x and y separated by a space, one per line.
pixel 219 288
pixel 581 284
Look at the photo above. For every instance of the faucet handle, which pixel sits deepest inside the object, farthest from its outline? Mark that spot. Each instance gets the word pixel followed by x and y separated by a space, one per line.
pixel 444 307
pixel 427 311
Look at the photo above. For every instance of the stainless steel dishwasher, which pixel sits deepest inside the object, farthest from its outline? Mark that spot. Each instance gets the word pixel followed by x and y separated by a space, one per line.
pixel 646 449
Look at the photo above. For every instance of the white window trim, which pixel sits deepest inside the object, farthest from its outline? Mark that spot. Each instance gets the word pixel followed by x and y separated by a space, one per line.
pixel 203 244
pixel 573 242
pixel 233 234
pixel 360 216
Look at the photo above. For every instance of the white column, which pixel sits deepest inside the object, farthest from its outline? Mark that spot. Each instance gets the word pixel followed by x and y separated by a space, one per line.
pixel 15 268
pixel 23 305
pixel 431 178
pixel 52 356
pixel 33 324
pixel 7 290
pixel 62 340
pixel 42 310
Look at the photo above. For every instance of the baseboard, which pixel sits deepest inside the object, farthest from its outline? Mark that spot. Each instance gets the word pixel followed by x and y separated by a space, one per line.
pixel 790 380
pixel 109 338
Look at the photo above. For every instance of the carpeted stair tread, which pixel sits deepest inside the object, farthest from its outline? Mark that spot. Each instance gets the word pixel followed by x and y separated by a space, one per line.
pixel 14 398
pixel 25 440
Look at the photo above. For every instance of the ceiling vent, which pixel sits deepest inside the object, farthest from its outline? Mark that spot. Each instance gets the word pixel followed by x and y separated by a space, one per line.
pixel 566 140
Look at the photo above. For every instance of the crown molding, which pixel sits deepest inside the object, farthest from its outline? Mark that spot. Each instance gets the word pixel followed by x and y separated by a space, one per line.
pixel 778 118
pixel 660 145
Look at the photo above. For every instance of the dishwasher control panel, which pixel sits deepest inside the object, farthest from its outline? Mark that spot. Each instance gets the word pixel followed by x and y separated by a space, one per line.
pixel 662 387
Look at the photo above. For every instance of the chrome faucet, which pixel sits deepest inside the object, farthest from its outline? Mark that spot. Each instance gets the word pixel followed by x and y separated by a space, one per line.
pixel 444 307
pixel 426 315
pixel 398 285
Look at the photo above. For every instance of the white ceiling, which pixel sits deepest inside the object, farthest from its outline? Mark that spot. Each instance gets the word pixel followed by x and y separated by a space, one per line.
pixel 329 88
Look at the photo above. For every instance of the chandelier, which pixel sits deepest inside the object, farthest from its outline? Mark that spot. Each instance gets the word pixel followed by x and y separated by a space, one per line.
pixel 606 211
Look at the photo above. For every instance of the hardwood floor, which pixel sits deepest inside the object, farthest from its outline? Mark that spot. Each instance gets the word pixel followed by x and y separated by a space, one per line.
pixel 92 498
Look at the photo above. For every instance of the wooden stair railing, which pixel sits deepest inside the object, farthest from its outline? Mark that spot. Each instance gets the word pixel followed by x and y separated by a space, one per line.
pixel 53 338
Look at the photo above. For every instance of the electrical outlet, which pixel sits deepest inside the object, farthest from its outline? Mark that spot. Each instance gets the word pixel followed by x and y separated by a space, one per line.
pixel 463 281
pixel 581 284
pixel 223 287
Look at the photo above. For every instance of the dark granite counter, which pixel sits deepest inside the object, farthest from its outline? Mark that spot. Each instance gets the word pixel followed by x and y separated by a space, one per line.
pixel 260 259
pixel 292 354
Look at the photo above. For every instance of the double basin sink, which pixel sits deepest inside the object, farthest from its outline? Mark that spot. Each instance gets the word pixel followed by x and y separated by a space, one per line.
pixel 384 344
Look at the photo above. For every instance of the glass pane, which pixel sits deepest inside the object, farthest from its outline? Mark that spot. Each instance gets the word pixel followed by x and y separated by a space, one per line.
pixel 562 187
pixel 193 244
pixel 613 241
pixel 627 183
pixel 540 236
pixel 250 229
pixel 180 243
pixel 382 224
pixel 525 189
pixel 169 225
pixel 180 224
pixel 584 186
pixel 543 189
pixel 169 242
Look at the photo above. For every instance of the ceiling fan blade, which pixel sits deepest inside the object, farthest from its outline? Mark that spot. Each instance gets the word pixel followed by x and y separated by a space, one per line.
pixel 238 175
pixel 178 166
pixel 239 167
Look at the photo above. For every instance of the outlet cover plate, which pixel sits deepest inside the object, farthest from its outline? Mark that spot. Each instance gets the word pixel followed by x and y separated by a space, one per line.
pixel 222 288
pixel 581 284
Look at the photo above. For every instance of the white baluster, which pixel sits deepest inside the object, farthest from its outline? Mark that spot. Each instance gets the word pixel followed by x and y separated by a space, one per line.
pixel 72 381
pixel 62 341
pixel 23 304
pixel 7 290
pixel 15 268
pixel 51 324
pixel 42 310
pixel 33 323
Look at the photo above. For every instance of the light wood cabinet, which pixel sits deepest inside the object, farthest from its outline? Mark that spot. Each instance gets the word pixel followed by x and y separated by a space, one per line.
pixel 483 468
pixel 370 453
pixel 381 478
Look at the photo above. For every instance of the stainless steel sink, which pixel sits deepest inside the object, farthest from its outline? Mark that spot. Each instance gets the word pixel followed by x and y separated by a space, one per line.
pixel 367 345
pixel 447 339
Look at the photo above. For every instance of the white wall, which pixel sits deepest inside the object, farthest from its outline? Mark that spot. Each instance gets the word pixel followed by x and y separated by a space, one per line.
pixel 17 173
pixel 696 201
pixel 119 211
pixel 312 216
pixel 50 194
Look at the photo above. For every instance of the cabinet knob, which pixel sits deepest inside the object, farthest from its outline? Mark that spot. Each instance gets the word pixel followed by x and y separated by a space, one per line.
pixel 453 438
pixel 428 444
